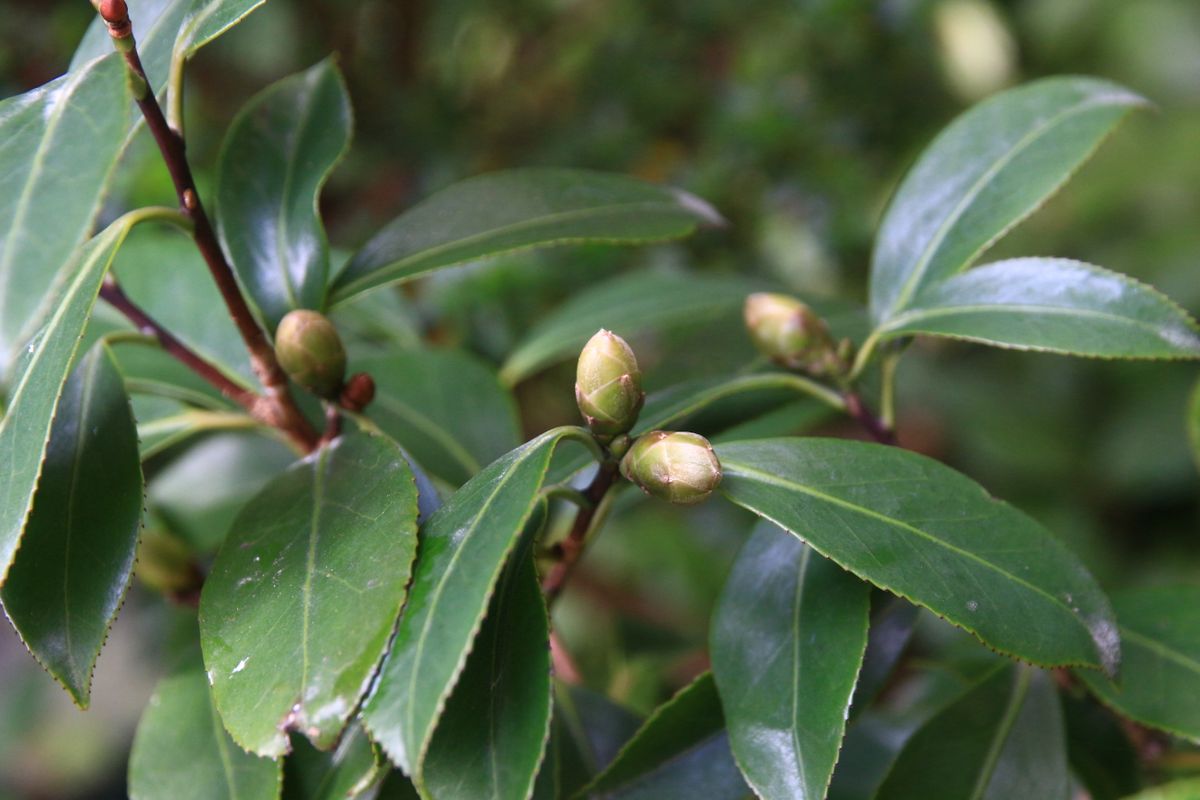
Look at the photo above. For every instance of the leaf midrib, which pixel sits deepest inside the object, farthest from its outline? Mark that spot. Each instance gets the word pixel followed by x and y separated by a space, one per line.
pixel 382 274
pixel 1011 711
pixel 935 244
pixel 1160 648
pixel 435 598
pixel 764 477
pixel 920 315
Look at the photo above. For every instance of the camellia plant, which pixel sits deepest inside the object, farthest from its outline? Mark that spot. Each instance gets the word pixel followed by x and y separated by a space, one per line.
pixel 374 621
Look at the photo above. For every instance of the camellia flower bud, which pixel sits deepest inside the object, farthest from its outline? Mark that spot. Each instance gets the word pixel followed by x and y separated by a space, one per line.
pixel 790 333
pixel 608 385
pixel 310 351
pixel 679 467
pixel 358 392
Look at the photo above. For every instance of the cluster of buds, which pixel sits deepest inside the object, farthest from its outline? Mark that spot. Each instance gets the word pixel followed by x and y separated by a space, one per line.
pixel 791 334
pixel 678 467
pixel 310 351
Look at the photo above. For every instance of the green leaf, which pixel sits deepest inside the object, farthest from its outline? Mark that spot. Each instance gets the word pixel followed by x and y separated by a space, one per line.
pixel 58 146
pixel 1001 740
pixel 279 150
pixel 492 734
pixel 70 575
pixel 348 771
pixel 631 305
pixel 464 547
pixel 1160 671
pixel 787 642
pixel 303 595
pixel 682 750
pixel 518 209
pixel 181 751
pixel 988 170
pixel 446 407
pixel 1055 305
pixel 38 378
pixel 921 530
pixel 162 271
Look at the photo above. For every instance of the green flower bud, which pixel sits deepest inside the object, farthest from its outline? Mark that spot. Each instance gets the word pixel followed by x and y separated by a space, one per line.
pixel 310 351
pixel 678 467
pixel 790 333
pixel 608 385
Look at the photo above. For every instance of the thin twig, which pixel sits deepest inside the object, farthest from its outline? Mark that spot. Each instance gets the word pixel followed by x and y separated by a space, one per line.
pixel 115 296
pixel 571 548
pixel 277 406
pixel 858 410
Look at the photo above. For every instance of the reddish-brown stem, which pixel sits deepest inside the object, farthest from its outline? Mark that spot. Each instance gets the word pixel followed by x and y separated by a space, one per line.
pixel 277 407
pixel 571 548
pixel 115 296
pixel 333 423
pixel 857 409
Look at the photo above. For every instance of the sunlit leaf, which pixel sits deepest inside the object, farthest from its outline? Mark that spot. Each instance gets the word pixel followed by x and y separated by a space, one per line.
pixel 277 154
pixel 1055 305
pixel 983 174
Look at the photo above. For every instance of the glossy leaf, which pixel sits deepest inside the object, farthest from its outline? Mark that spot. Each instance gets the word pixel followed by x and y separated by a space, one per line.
pixel 682 750
pixel 921 530
pixel 787 643
pixel 464 547
pixel 70 575
pixel 279 150
pixel 38 378
pixel 983 174
pixel 58 146
pixel 1160 672
pixel 445 406
pixel 630 305
pixel 492 734
pixel 348 771
pixel 1003 739
pixel 517 209
pixel 1052 304
pixel 302 597
pixel 182 752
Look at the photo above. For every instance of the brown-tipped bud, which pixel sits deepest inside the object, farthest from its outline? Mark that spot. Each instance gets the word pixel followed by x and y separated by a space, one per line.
pixel 608 385
pixel 116 15
pixel 358 392
pixel 789 332
pixel 678 467
pixel 310 351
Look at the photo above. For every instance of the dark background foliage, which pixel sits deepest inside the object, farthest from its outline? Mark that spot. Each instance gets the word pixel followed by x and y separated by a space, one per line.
pixel 795 118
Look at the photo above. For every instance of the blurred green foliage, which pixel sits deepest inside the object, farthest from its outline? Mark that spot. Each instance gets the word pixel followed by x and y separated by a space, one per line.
pixel 795 118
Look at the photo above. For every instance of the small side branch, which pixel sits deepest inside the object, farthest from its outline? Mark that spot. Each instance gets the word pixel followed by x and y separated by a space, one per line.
pixel 571 548
pixel 280 407
pixel 115 296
